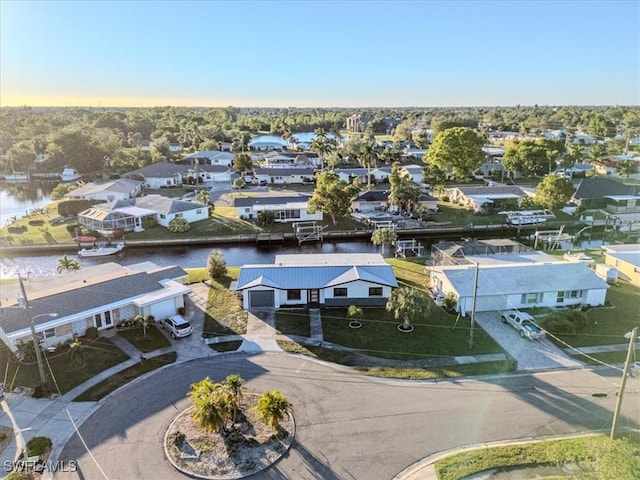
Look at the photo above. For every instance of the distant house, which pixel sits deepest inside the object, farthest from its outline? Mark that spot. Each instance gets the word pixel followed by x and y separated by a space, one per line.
pixel 95 296
pixel 265 145
pixel 378 175
pixel 358 122
pixel 486 198
pixel 286 208
pixel 370 201
pixel 160 175
pixel 317 280
pixel 626 259
pixel 415 172
pixel 602 192
pixel 609 165
pixel 515 280
pixel 284 176
pixel 290 160
pixel 129 214
pixel 107 190
pixel 209 157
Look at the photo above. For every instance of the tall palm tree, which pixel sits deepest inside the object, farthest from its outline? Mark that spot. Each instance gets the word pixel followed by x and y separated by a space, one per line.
pixel 66 264
pixel 383 236
pixel 405 302
pixel 320 144
pixel 356 314
pixel 272 408
pixel 235 384
pixel 211 405
pixel 203 196
pixel 596 153
pixel 368 157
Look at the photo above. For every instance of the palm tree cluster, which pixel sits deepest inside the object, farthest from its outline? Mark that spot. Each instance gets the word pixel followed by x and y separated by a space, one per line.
pixel 217 404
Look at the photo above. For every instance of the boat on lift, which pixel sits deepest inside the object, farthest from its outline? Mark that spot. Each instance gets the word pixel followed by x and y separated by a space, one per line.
pixel 69 174
pixel 577 257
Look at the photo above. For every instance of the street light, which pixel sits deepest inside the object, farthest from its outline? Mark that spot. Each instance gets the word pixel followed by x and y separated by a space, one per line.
pixel 24 303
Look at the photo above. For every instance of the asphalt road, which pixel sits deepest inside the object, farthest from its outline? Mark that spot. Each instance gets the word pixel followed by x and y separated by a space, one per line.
pixel 349 426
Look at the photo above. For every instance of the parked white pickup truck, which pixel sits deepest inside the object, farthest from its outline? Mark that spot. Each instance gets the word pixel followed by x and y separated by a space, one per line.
pixel 524 323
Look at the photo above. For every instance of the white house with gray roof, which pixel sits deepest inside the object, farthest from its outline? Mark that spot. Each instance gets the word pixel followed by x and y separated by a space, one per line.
pixel 107 190
pixel 517 280
pixel 485 198
pixel 160 175
pixel 330 279
pixel 98 296
pixel 286 208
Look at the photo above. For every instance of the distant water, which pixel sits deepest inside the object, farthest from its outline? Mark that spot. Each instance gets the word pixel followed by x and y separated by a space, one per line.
pixel 17 200
pixel 300 137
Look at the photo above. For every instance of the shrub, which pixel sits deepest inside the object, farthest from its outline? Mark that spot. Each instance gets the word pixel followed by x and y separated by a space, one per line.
pixel 91 333
pixel 450 301
pixel 61 190
pixel 38 445
pixel 20 229
pixel 182 311
pixel 445 198
pixel 179 225
pixel 118 232
pixel 265 218
pixel 26 352
pixel 216 266
pixel 149 223
pixel 36 223
pixel 74 207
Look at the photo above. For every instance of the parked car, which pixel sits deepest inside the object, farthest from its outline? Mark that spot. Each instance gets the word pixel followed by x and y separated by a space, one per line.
pixel 263 183
pixel 177 326
pixel 524 323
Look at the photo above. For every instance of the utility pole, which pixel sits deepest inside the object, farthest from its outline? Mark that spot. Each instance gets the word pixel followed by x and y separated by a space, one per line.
pixel 473 304
pixel 625 371
pixel 36 344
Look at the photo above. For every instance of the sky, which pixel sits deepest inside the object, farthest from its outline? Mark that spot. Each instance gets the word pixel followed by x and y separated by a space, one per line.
pixel 319 53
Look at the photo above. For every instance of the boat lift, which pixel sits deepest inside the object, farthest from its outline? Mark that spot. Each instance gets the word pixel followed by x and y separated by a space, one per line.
pixel 308 231
pixel 408 248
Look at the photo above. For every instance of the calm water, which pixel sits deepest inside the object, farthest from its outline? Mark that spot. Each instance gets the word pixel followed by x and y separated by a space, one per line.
pixel 16 200
pixel 300 137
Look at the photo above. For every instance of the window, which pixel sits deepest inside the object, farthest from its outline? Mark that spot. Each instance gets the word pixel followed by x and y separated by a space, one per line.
pixel 162 215
pixel 375 291
pixel 530 298
pixel 339 292
pixel 293 295
pixel 48 333
pixel 560 297
pixel 199 211
pixel 574 294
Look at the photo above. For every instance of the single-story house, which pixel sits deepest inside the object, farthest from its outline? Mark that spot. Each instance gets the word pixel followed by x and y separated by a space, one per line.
pixel 265 145
pixel 65 305
pixel 507 282
pixel 209 157
pixel 486 198
pixel 596 192
pixel 377 174
pixel 280 175
pixel 160 175
pixel 290 160
pixel 415 172
pixel 313 280
pixel 107 190
pixel 626 259
pixel 286 208
pixel 129 214
pixel 370 201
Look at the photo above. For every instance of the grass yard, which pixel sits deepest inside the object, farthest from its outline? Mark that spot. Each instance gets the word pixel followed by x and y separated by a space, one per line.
pixel 224 315
pixel 607 325
pixel 434 335
pixel 114 382
pixel 596 456
pixel 40 229
pixel 293 322
pixel 154 340
pixel 410 272
pixel 100 355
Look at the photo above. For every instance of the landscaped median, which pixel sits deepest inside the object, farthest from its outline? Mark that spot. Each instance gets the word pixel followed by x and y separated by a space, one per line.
pixel 593 457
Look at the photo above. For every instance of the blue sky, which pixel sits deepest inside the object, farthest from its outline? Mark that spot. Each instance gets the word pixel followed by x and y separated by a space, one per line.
pixel 322 53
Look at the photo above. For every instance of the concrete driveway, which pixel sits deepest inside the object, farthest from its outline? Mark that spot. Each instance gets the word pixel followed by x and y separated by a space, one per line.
pixel 530 355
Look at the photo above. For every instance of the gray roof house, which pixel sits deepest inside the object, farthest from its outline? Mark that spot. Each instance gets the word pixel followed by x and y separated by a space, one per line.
pixel 107 190
pixel 161 174
pixel 279 175
pixel 522 279
pixel 601 192
pixel 96 296
pixel 317 280
pixel 486 198
pixel 286 208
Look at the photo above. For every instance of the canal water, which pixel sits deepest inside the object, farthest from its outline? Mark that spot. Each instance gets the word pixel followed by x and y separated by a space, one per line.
pixel 17 200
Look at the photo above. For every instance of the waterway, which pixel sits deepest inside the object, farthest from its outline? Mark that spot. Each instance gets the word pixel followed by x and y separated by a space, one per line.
pixel 17 200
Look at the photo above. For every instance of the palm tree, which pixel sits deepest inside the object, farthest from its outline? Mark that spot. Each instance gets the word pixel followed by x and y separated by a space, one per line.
pixel 320 144
pixel 203 196
pixel 596 153
pixel 383 236
pixel 66 264
pixel 272 408
pixel 145 322
pixel 355 313
pixel 235 384
pixel 406 301
pixel 211 405
pixel 368 157
pixel 77 352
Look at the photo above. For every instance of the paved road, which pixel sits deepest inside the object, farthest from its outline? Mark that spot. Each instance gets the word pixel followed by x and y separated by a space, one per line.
pixel 348 426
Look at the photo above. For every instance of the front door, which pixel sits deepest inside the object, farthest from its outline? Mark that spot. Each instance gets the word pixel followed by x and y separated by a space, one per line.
pixel 103 320
pixel 313 297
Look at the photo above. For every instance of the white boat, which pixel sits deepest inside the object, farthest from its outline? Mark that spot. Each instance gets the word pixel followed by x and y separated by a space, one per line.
pixel 101 250
pixel 16 177
pixel 577 257
pixel 69 174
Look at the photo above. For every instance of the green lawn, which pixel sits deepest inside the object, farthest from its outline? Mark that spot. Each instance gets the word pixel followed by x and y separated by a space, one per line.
pixel 596 456
pixel 153 341
pixel 607 325
pixel 410 272
pixel 107 386
pixel 293 322
pixel 100 355
pixel 224 315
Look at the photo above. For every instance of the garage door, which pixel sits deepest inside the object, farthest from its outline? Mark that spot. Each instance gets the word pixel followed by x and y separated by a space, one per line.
pixel 261 299
pixel 163 309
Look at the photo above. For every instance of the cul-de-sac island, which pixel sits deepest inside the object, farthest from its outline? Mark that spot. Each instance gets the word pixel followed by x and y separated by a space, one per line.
pixel 490 327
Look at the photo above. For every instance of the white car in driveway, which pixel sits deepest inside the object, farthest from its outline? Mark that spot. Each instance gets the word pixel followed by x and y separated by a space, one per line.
pixel 176 326
pixel 524 323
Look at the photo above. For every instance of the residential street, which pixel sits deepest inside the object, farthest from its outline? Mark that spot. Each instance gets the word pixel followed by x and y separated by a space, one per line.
pixel 349 426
